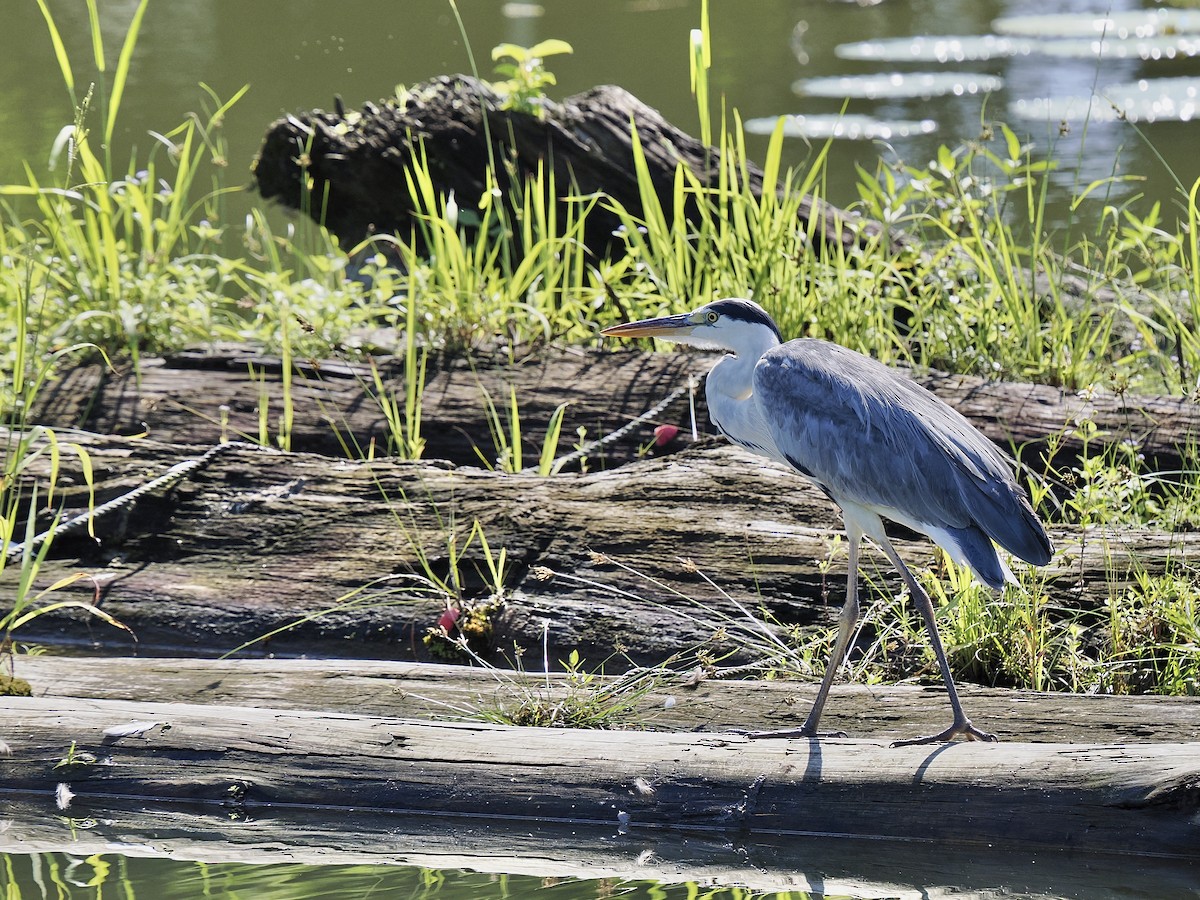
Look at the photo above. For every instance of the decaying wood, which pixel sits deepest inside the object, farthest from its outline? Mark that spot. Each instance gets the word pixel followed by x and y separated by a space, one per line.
pixel 629 564
pixel 1130 798
pixel 197 398
pixel 185 399
pixel 349 171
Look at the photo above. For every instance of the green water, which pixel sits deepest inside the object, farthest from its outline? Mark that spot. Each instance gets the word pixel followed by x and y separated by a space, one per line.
pixel 298 55
pixel 60 875
pixel 66 876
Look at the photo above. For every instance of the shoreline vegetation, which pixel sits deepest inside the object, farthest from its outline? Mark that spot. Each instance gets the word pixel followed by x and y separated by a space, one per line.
pixel 121 262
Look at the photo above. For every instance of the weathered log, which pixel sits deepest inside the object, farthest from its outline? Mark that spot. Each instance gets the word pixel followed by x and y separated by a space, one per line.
pixel 259 540
pixel 349 172
pixel 151 826
pixel 185 398
pixel 204 397
pixel 1133 799
pixel 683 701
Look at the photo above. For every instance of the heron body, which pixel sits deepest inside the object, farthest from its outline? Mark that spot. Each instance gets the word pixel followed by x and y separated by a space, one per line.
pixel 879 445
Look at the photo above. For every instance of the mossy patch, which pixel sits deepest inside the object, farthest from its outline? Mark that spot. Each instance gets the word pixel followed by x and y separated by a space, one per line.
pixel 11 686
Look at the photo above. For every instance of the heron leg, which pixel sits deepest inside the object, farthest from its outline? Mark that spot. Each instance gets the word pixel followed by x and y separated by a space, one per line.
pixel 961 726
pixel 846 622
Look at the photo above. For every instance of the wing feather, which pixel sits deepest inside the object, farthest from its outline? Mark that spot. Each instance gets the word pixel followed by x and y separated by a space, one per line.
pixel 870 435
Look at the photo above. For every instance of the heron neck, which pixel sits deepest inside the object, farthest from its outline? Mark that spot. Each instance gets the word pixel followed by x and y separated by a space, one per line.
pixel 732 407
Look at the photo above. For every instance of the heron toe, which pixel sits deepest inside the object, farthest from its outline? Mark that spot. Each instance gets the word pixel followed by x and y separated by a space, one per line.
pixel 962 729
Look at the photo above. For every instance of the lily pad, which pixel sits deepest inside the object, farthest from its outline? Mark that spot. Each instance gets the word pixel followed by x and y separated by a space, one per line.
pixel 938 48
pixel 921 85
pixel 1147 100
pixel 522 10
pixel 1163 46
pixel 853 128
pixel 1143 23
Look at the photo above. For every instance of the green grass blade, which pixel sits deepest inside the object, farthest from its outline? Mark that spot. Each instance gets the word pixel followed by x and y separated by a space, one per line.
pixel 550 442
pixel 121 75
pixel 60 51
pixel 97 35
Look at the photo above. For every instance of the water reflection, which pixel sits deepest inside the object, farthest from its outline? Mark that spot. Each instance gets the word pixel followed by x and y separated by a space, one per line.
pixel 27 877
pixel 844 126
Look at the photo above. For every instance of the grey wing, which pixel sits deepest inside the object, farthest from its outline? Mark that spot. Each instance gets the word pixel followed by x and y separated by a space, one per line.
pixel 870 435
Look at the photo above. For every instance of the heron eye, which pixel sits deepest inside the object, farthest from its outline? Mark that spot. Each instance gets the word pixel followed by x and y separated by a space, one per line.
pixel 712 318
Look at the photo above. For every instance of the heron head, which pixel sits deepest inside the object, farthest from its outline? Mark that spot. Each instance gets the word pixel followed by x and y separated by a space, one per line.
pixel 736 325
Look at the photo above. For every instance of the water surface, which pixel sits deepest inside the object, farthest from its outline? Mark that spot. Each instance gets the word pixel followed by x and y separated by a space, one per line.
pixel 1014 60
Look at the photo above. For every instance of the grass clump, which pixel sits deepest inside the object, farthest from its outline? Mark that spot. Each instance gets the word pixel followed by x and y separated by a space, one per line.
pixel 583 699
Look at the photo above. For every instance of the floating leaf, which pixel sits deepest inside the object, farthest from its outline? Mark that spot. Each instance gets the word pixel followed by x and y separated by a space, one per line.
pixel 899 84
pixel 1117 26
pixel 1147 100
pixel 1165 46
pixel 937 48
pixel 522 10
pixel 967 48
pixel 854 128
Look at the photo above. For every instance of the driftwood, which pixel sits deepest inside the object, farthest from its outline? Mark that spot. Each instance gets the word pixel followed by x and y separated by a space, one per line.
pixel 1135 798
pixel 851 817
pixel 258 540
pixel 348 171
pixel 184 399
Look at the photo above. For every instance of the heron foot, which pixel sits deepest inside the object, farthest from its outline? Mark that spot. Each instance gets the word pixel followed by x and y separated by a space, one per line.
pixel 963 729
pixel 791 733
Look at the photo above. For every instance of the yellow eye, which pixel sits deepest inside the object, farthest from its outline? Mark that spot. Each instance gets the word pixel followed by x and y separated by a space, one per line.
pixel 711 318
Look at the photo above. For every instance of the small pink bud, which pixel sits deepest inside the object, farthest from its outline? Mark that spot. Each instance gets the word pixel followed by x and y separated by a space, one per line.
pixel 448 619
pixel 664 434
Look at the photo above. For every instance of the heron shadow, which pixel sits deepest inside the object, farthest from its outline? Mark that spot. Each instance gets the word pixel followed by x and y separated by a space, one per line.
pixel 812 766
pixel 919 775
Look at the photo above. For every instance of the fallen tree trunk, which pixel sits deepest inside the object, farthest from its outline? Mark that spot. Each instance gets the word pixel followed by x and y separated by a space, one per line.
pixel 349 172
pixel 204 397
pixel 1132 799
pixel 631 564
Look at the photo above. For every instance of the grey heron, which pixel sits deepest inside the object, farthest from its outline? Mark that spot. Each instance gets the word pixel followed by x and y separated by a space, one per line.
pixel 878 444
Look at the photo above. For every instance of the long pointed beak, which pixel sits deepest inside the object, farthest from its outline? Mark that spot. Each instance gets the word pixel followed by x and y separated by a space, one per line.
pixel 664 326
